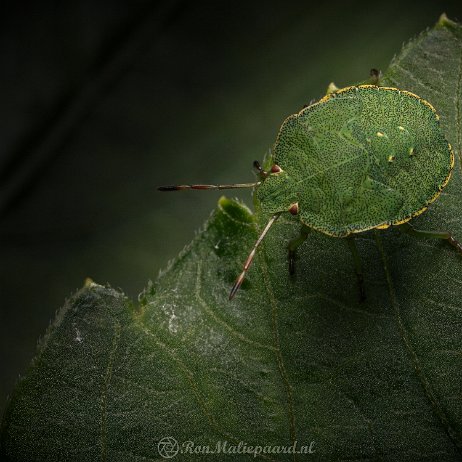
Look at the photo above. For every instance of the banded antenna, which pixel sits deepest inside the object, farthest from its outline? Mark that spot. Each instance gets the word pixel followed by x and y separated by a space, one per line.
pixel 249 260
pixel 183 187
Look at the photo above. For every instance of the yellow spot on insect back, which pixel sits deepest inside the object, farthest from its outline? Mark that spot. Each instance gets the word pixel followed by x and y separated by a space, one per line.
pixel 391 158
pixel 401 128
pixel 411 151
pixel 380 134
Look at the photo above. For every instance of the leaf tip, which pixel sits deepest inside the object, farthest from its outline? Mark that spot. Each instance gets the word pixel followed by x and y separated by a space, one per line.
pixel 89 283
pixel 444 21
pixel 235 210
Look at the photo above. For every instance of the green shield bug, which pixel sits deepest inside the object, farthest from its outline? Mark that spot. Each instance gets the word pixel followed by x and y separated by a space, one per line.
pixel 363 157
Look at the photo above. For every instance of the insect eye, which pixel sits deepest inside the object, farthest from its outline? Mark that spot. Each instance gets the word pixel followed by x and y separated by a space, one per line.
pixel 294 209
pixel 276 169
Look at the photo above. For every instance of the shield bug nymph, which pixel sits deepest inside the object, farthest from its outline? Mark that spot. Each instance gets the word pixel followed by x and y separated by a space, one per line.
pixel 363 157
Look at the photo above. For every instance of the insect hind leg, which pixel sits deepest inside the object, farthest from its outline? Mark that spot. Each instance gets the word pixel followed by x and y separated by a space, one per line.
pixel 409 229
pixel 358 267
pixel 294 244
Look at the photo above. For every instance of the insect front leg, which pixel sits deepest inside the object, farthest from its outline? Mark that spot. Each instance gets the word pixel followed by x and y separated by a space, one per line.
pixel 358 267
pixel 409 229
pixel 294 244
pixel 375 76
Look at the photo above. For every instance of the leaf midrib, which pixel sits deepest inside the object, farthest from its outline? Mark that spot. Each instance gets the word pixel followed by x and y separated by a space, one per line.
pixel 278 352
pixel 427 388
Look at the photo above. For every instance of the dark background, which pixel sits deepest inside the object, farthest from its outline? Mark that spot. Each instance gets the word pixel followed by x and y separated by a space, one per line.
pixel 103 101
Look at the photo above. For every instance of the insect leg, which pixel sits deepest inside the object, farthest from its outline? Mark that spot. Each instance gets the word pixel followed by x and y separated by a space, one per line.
pixel 248 262
pixel 294 244
pixel 358 266
pixel 409 229
pixel 375 75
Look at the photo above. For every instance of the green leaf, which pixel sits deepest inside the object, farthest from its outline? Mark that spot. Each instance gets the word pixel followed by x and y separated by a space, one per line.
pixel 290 359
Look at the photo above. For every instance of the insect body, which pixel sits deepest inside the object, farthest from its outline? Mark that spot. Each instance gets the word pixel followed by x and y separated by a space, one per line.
pixel 362 157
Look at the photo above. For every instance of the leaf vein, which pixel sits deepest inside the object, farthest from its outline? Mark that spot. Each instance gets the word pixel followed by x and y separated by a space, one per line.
pixel 105 389
pixel 220 321
pixel 195 389
pixel 428 391
pixel 458 112
pixel 279 358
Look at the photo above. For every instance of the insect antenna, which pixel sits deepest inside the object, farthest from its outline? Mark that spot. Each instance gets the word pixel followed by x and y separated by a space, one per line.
pixel 183 187
pixel 249 260
pixel 262 173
